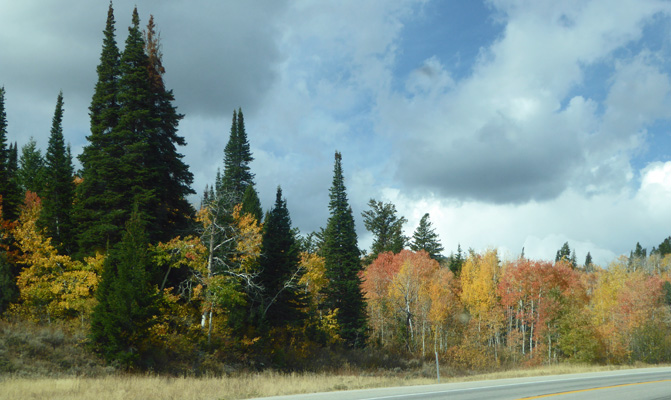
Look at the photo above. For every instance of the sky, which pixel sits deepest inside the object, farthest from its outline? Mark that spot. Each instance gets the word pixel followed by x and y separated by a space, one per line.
pixel 516 124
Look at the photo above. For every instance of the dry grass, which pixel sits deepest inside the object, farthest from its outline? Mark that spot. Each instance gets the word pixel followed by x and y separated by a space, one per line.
pixel 133 387
pixel 137 387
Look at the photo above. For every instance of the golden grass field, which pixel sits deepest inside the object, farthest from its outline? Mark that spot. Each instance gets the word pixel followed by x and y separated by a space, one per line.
pixel 137 387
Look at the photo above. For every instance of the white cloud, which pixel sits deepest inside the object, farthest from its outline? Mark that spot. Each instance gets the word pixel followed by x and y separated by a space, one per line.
pixel 606 225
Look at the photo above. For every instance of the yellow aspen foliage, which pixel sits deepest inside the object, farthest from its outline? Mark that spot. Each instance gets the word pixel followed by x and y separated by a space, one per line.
pixel 249 237
pixel 479 279
pixel 314 278
pixel 51 285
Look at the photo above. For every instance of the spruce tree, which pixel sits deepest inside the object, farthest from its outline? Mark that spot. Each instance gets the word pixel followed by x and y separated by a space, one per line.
pixel 564 253
pixel 456 261
pixel 127 302
pixel 169 175
pixel 425 238
pixel 59 185
pixel 14 195
pixel 237 156
pixel 343 265
pixel 9 185
pixel 4 152
pixel 251 203
pixel 31 168
pixel 98 215
pixel 664 247
pixel 387 228
pixel 9 292
pixel 588 262
pixel 133 158
pixel 283 301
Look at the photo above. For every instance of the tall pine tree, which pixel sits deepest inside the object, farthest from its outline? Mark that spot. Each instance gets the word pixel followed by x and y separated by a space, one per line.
pixel 31 168
pixel 133 157
pixel 9 185
pixel 97 208
pixel 278 263
pixel 342 264
pixel 387 228
pixel 169 175
pixel 425 238
pixel 237 156
pixel 59 185
pixel 127 301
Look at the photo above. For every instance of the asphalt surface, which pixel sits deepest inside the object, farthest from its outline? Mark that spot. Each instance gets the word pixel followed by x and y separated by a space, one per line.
pixel 635 384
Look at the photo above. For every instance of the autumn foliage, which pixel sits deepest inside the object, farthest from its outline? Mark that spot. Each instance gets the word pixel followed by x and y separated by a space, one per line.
pixel 518 312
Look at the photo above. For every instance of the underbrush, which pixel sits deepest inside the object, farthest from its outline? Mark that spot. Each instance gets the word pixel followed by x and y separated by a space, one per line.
pixel 28 349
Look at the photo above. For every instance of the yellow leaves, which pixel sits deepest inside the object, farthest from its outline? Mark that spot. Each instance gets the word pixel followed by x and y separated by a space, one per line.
pixel 51 285
pixel 178 252
pixel 248 245
pixel 479 278
pixel 314 279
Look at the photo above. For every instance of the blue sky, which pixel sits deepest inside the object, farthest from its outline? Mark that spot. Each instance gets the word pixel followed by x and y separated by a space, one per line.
pixel 514 123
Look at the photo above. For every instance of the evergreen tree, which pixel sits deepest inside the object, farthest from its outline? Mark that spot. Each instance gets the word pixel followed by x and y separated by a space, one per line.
pixel 237 156
pixel 280 273
pixel 664 247
pixel 637 257
pixel 98 211
pixel 589 266
pixel 9 292
pixel 425 238
pixel 4 152
pixel 386 227
pixel 9 188
pixel 14 195
pixel 564 253
pixel 59 185
pixel 127 301
pixel 136 159
pixel 132 134
pixel 251 203
pixel 169 176
pixel 456 261
pixel 31 168
pixel 342 264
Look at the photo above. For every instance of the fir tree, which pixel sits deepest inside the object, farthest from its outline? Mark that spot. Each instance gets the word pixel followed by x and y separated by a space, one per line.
pixel 9 188
pixel 564 253
pixel 31 168
pixel 9 292
pixel 237 156
pixel 127 301
pixel 251 203
pixel 588 262
pixel 280 273
pixel 136 160
pixel 456 261
pixel 97 209
pixel 425 238
pixel 664 247
pixel 343 265
pixel 169 175
pixel 59 185
pixel 13 196
pixel 387 228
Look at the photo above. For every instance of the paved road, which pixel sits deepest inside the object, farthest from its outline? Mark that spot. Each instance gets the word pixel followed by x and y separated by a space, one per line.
pixel 636 384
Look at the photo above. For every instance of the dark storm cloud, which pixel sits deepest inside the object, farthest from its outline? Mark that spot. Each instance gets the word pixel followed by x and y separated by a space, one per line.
pixel 493 165
pixel 218 55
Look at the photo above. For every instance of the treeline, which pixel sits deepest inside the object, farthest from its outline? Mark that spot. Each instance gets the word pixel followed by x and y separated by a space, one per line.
pixel 116 250
pixel 497 313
